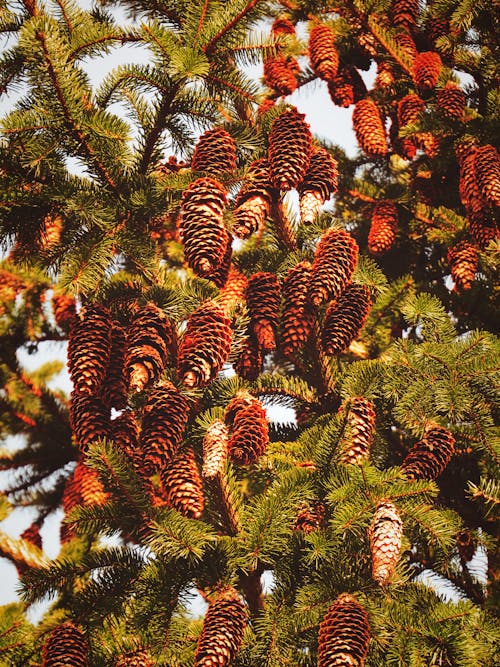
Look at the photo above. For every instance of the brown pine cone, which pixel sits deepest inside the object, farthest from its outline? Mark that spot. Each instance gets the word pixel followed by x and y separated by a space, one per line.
pixel 451 100
pixel 462 258
pixel 114 390
pixel 223 629
pixel 248 429
pixel 149 338
pixel 282 26
pixel 64 308
pixel 280 74
pixel 215 449
pixel 51 230
pixel 124 431
pixel 361 429
pixel 32 535
pixel 334 263
pixel 66 645
pixel 369 128
pixel 384 224
pixel 290 145
pixel 215 153
pixel 205 345
pixel 434 28
pixel 323 53
pixel 482 228
pixel 248 363
pixel 385 75
pixel 487 171
pixel 404 13
pixel 347 87
pixel 344 318
pixel 406 44
pixel 263 296
pixel 344 634
pixel 164 419
pixel 89 419
pixel 310 517
pixel 92 491
pixel 254 199
pixel 470 194
pixel 298 318
pixel 182 484
pixel 426 69
pixel 319 184
pixel 410 109
pixel 89 349
pixel 385 533
pixel 202 229
pixel 466 545
pixel 219 276
pixel 233 292
pixel 134 659
pixel 429 457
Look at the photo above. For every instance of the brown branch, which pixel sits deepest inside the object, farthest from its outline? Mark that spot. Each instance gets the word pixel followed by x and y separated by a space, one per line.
pixel 252 588
pixel 31 7
pixel 283 225
pixel 124 39
pixel 201 21
pixel 158 126
pixel 65 15
pixel 208 48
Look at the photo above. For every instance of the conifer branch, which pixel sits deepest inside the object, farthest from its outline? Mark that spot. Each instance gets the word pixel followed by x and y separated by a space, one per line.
pixel 209 48
pixel 158 126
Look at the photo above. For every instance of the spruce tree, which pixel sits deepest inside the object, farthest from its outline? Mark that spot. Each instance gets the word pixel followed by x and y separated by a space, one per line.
pixel 286 409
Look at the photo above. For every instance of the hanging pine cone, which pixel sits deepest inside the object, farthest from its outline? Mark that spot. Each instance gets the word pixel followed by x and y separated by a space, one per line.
pixel 248 363
pixel 487 171
pixel 233 292
pixel 436 27
pixel 290 145
pixel 254 200
pixel 280 74
pixel 66 645
pixel 88 418
pixel 347 87
pixel 482 228
pixel 134 659
pixel 248 429
pixel 310 517
pixel 114 387
pixel 334 263
pixel 369 128
pixel 385 75
pixel 404 13
pixel 463 263
pixel 319 184
pixel 50 232
pixel 91 489
pixel 89 349
pixel 451 100
pixel 64 308
pixel 223 628
pixel 164 419
pixel 219 276
pixel 344 318
pixel 323 53
pixel 215 449
pixel 384 533
pixel 202 229
pixel 32 535
pixel 410 109
pixel 297 318
pixel 182 484
pixel 468 187
pixel 426 69
pixel 429 457
pixel 205 345
pixel 384 224
pixel 215 153
pixel 263 298
pixel 282 26
pixel 124 431
pixel 466 545
pixel 344 634
pixel 361 429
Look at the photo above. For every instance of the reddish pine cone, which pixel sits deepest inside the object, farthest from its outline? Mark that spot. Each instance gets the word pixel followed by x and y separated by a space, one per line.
pixel 163 422
pixel 263 296
pixel 182 485
pixel 215 153
pixel 88 418
pixel 248 363
pixel 280 74
pixel 223 629
pixel 253 200
pixel 487 170
pixel 248 429
pixel 134 659
pixel 466 545
pixel 385 75
pixel 345 317
pixel 451 100
pixel 334 263
pixel 205 345
pixel 149 338
pixel 429 457
pixel 50 232
pixel 290 145
pixel 64 308
pixel 282 26
pixel 347 87
pixel 344 634
pixel 234 290
pixel 91 488
pixel 297 318
pixel 482 227
pixel 323 53
pixel 124 431
pixel 410 109
pixel 426 69
pixel 215 449
pixel 385 533
pixel 310 517
pixel 361 429
pixel 468 187
pixel 463 263
pixel 89 349
pixel 384 224
pixel 114 387
pixel 32 535
pixel 202 227
pixel 319 184
pixel 66 645
pixel 404 13
pixel 219 276
pixel 369 128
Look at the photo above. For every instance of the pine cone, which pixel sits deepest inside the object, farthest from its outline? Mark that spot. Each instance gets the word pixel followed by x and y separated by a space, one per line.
pixel 280 74
pixel 149 338
pixel 290 145
pixel 124 431
pixel 404 13
pixel 297 318
pixel 114 387
pixel 182 485
pixel 383 228
pixel 282 26
pixel 410 109
pixel 64 308
pixel 385 75
pixel 263 297
pixel 347 87
pixel 344 318
pixel 334 263
pixel 202 227
pixel 253 200
pixel 88 418
pixel 164 419
pixel 487 171
pixel 482 227
pixel 205 345
pixel 463 263
pixel 466 545
pixel 223 629
pixel 219 276
pixel 384 533
pixel 215 449
pixel 435 27
pixel 50 232
pixel 451 100
pixel 134 659
pixel 90 487
pixel 248 364
pixel 248 429
pixel 470 194
pixel 323 53
pixel 89 349
pixel 426 69
pixel 429 457
pixel 319 184
pixel 310 517
pixel 66 645
pixel 369 128
pixel 344 634
pixel 234 290
pixel 361 429
pixel 32 535
pixel 215 153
